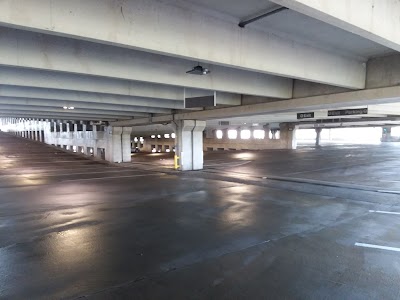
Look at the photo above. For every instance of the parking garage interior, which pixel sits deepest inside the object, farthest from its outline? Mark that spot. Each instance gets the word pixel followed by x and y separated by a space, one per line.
pixel 199 149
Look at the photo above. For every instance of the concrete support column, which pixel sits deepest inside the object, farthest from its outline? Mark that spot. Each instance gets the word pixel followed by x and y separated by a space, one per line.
pixel 41 131
pixel 267 130
pixel 85 137
pixel 126 144
pixel 210 134
pixel 189 144
pixel 37 130
pixel 386 134
pixel 29 127
pixel 273 133
pixel 114 144
pixel 288 135
pixel 318 131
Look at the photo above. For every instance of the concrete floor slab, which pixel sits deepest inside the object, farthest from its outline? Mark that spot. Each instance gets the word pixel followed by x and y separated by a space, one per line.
pixel 176 236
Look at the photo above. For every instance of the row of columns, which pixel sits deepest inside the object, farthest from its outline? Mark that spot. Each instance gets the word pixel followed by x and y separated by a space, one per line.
pixel 116 140
pixel 30 129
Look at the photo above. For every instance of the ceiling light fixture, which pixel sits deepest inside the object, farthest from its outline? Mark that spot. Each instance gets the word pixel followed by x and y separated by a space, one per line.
pixel 198 70
pixel 68 107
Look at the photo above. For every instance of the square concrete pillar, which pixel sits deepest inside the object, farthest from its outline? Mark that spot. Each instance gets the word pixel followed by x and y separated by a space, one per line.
pixel 126 144
pixel 288 135
pixel 189 144
pixel 114 144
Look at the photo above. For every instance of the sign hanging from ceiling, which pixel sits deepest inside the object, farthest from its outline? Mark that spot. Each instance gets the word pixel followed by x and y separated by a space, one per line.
pixel 348 112
pixel 306 115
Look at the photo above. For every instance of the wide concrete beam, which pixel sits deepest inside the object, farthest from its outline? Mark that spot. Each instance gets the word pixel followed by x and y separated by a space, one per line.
pixel 377 21
pixel 340 100
pixel 83 83
pixel 91 112
pixel 44 115
pixel 177 29
pixel 53 53
pixel 135 110
pixel 21 77
pixel 65 95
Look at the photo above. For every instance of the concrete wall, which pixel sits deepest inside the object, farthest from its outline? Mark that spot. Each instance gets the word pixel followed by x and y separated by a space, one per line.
pixel 211 143
pixel 149 142
pixel 214 144
pixel 83 140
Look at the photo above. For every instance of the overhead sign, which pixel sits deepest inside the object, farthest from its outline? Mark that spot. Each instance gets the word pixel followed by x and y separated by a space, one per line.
pixel 348 112
pixel 307 115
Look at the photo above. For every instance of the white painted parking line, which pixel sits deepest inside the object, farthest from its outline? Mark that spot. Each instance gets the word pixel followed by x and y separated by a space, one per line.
pixel 114 177
pixel 377 247
pixel 395 181
pixel 388 191
pixel 85 173
pixel 384 212
pixel 228 165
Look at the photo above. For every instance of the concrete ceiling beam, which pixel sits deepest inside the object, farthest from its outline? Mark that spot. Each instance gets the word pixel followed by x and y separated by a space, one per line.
pixel 57 103
pixel 84 83
pixel 53 53
pixel 65 95
pixel 332 101
pixel 172 29
pixel 28 78
pixel 40 109
pixel 377 21
pixel 37 115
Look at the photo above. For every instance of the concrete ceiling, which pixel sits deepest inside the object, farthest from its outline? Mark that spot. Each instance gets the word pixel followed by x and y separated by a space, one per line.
pixel 119 60
pixel 299 27
pixel 238 9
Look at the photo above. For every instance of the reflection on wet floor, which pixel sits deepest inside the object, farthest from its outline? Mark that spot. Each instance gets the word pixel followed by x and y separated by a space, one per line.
pixel 91 230
pixel 333 163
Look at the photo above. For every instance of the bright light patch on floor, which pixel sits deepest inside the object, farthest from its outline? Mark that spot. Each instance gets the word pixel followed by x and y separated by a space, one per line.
pixel 219 134
pixel 232 134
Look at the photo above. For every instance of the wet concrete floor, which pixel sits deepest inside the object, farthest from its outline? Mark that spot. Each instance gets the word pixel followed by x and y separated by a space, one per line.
pixel 73 228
